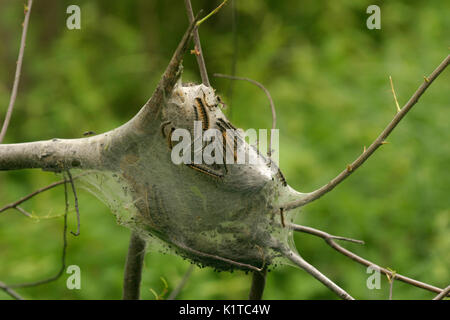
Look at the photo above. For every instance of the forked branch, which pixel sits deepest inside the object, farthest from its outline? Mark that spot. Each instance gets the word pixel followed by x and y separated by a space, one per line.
pixel 329 239
pixel 9 288
pixel 133 268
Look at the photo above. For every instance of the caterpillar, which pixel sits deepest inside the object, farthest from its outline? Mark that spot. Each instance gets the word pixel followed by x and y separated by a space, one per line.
pixel 226 141
pixel 204 170
pixel 282 217
pixel 202 113
pixel 169 138
pixel 283 180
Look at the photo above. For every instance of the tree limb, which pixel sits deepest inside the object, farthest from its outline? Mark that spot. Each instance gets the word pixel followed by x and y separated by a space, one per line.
pixel 198 46
pixel 258 284
pixel 8 288
pixel 182 283
pixel 299 261
pixel 10 291
pixel 444 293
pixel 91 152
pixel 133 268
pixel 329 239
pixel 12 100
pixel 16 203
pixel 309 197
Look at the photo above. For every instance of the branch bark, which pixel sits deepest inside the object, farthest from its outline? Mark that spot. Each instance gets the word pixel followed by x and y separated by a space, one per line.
pixel 329 239
pixel 133 268
pixel 258 284
pixel 310 197
pixel 198 46
pixel 91 152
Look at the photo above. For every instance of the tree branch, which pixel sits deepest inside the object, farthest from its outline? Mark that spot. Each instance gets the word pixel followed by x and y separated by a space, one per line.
pixel 91 152
pixel 258 284
pixel 15 204
pixel 10 291
pixel 55 154
pixel 299 261
pixel 8 288
pixel 198 45
pixel 182 283
pixel 269 97
pixel 143 120
pixel 12 100
pixel 443 294
pixel 309 197
pixel 133 268
pixel 329 239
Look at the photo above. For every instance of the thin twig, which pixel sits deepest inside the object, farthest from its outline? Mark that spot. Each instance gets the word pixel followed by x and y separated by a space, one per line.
pixel 299 261
pixel 15 204
pixel 233 57
pixel 165 86
pixel 198 46
pixel 391 287
pixel 182 283
pixel 23 211
pixel 10 291
pixel 269 97
pixel 12 100
pixel 443 294
pixel 212 13
pixel 391 278
pixel 309 197
pixel 321 233
pixel 63 256
pixel 395 96
pixel 76 203
pixel 329 239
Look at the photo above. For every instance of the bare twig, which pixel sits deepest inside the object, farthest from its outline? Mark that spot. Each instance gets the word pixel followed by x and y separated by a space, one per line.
pixel 76 203
pixel 309 197
pixel 391 278
pixel 443 294
pixel 329 239
pixel 198 45
pixel 12 100
pixel 15 204
pixel 63 256
pixel 23 211
pixel 393 93
pixel 269 97
pixel 182 283
pixel 133 268
pixel 234 55
pixel 149 113
pixel 322 234
pixel 299 261
pixel 212 13
pixel 10 291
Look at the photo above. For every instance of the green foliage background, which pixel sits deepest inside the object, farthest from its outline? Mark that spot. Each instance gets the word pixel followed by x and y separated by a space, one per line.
pixel 328 75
